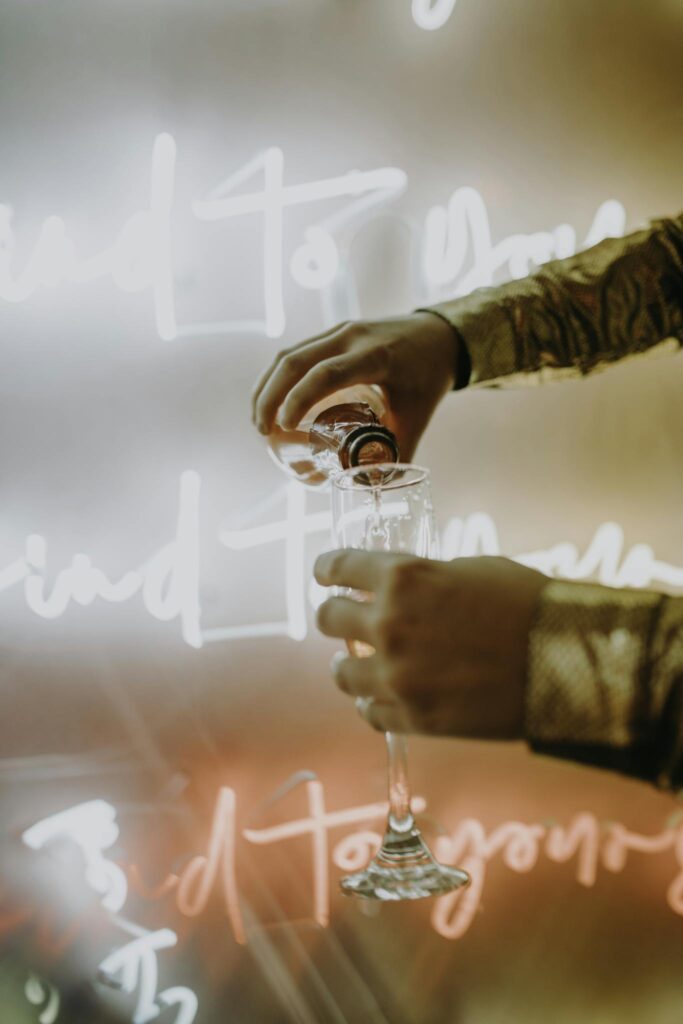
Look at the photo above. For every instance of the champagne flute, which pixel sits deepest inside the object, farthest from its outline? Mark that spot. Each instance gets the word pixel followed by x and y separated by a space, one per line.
pixel 389 508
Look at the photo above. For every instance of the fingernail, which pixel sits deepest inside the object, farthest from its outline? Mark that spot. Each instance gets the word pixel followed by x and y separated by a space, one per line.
pixel 336 660
pixel 319 568
pixel 286 418
pixel 363 705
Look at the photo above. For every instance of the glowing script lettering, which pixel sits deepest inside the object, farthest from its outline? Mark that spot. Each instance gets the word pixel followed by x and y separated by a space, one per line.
pixel 469 845
pixel 432 14
pixel 141 257
pixel 317 824
pixel 606 559
pixel 194 886
pixel 139 260
pixel 315 264
pixel 198 878
pixel 591 843
pixel 38 992
pixel 92 828
pixel 135 964
pixel 460 234
pixel 170 584
pixel 169 581
pixel 293 531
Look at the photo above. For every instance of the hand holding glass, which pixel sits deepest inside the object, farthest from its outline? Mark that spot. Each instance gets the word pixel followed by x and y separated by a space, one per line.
pixel 389 508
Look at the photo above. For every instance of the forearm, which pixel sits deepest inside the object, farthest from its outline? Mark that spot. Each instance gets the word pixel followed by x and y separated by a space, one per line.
pixel 605 680
pixel 622 297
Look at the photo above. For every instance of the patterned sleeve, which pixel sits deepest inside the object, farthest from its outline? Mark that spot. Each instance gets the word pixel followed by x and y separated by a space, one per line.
pixel 605 681
pixel 574 316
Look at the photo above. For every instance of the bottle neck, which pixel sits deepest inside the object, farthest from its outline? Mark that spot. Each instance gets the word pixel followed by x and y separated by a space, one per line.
pixel 350 435
pixel 368 445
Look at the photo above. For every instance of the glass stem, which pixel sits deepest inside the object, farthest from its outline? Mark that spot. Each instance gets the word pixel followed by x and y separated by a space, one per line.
pixel 400 814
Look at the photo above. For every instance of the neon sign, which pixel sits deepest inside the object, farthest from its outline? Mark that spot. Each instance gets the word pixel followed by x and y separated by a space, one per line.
pixel 432 14
pixel 92 828
pixel 593 844
pixel 136 965
pixel 460 233
pixel 39 991
pixel 139 260
pixel 315 264
pixel 169 582
pixel 454 237
pixel 606 558
pixel 141 257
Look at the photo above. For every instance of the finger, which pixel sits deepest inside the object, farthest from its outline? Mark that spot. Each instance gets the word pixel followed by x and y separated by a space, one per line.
pixel 360 570
pixel 359 677
pixel 384 715
pixel 270 369
pixel 287 371
pixel 329 375
pixel 345 618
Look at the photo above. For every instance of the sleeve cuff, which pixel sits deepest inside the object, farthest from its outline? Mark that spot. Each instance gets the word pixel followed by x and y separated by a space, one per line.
pixel 463 362
pixel 485 325
pixel 589 667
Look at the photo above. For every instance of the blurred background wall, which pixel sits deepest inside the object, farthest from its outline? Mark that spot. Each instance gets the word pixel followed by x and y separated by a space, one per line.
pixel 176 205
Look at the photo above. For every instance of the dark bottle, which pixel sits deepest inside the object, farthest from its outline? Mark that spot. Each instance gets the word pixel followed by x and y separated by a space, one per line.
pixel 342 431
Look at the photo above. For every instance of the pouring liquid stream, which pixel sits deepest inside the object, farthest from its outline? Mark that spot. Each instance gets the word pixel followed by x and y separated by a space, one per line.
pixel 377 538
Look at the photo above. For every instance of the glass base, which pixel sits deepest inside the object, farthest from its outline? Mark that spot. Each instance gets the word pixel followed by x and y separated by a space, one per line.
pixel 403 869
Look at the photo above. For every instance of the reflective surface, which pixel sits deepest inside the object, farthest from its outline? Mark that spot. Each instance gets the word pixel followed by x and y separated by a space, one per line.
pixel 389 508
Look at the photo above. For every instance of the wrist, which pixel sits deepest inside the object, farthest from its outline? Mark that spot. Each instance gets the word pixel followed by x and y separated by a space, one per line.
pixel 459 357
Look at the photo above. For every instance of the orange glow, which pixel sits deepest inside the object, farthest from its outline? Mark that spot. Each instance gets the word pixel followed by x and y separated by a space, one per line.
pixel 221 853
pixel 593 844
pixel 520 844
pixel 317 825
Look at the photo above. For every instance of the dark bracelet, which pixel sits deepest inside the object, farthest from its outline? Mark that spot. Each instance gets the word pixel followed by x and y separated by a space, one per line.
pixel 463 363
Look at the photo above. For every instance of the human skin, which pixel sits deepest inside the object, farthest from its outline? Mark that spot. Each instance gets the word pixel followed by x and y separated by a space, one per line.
pixel 450 637
pixel 412 358
pixel 450 640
